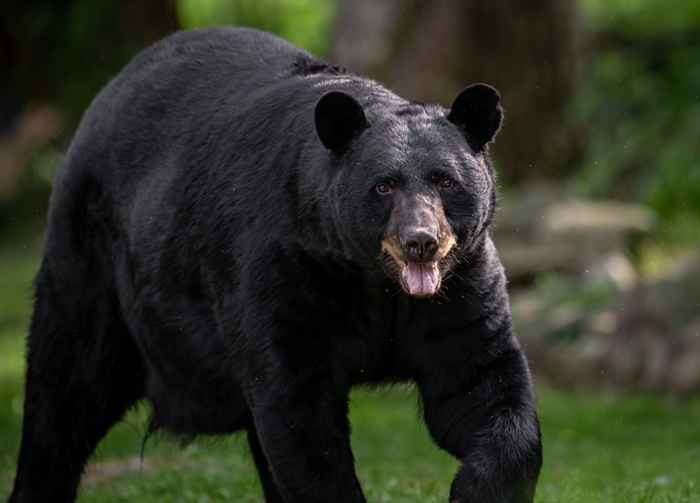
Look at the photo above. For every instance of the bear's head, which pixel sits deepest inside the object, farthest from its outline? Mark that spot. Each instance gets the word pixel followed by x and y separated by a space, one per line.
pixel 411 185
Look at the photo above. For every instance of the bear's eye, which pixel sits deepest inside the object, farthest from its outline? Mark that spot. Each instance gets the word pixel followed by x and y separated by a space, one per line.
pixel 445 182
pixel 384 188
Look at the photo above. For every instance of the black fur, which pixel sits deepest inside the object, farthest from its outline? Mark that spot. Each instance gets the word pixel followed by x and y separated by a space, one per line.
pixel 205 251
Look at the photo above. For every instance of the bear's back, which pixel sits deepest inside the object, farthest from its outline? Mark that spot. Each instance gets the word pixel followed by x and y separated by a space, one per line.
pixel 240 49
pixel 180 85
pixel 173 106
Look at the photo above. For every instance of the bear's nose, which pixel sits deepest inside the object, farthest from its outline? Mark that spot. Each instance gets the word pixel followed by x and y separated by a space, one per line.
pixel 421 245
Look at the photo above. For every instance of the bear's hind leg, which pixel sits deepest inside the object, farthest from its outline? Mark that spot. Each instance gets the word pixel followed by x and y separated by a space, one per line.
pixel 270 490
pixel 83 373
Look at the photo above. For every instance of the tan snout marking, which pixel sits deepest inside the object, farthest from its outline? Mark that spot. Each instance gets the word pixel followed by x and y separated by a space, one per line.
pixel 447 242
pixel 391 246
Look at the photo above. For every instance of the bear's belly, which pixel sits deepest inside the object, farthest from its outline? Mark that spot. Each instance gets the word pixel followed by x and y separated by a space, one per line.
pixel 206 406
pixel 190 383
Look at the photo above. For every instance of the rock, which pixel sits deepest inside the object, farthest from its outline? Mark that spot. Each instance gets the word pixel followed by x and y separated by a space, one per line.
pixel 647 339
pixel 539 230
pixel 615 269
pixel 574 217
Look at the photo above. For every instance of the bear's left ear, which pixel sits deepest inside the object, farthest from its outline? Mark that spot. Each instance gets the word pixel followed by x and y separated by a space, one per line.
pixel 478 113
pixel 339 119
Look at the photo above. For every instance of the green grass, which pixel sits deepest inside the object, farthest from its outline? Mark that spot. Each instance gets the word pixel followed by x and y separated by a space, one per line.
pixel 598 447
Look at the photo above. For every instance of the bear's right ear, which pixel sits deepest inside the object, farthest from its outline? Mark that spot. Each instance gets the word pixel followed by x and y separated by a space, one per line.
pixel 339 119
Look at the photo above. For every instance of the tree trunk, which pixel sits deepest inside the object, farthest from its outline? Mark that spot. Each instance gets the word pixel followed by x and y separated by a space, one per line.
pixel 43 41
pixel 55 55
pixel 428 51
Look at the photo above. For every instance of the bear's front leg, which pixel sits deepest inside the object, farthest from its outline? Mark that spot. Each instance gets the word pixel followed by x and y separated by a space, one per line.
pixel 301 422
pixel 296 394
pixel 299 410
pixel 484 415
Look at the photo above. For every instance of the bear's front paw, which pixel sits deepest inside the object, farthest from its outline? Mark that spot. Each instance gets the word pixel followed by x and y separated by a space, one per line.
pixel 484 485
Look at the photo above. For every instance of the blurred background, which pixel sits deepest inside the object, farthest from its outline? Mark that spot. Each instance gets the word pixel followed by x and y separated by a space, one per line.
pixel 599 226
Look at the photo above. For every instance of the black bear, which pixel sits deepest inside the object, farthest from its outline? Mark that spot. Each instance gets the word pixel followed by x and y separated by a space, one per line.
pixel 239 233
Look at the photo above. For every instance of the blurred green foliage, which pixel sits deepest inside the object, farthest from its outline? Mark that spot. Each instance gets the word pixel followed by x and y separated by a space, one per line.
pixel 65 51
pixel 557 290
pixel 305 23
pixel 640 102
pixel 642 18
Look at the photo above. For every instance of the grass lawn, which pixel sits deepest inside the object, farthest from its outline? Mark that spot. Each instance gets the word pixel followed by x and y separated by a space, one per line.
pixel 598 448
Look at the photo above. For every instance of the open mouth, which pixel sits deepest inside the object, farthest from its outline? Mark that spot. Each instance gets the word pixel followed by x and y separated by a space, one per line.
pixel 420 279
pixel 417 278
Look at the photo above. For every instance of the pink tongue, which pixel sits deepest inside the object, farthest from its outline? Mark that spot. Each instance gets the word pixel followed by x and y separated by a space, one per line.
pixel 421 279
